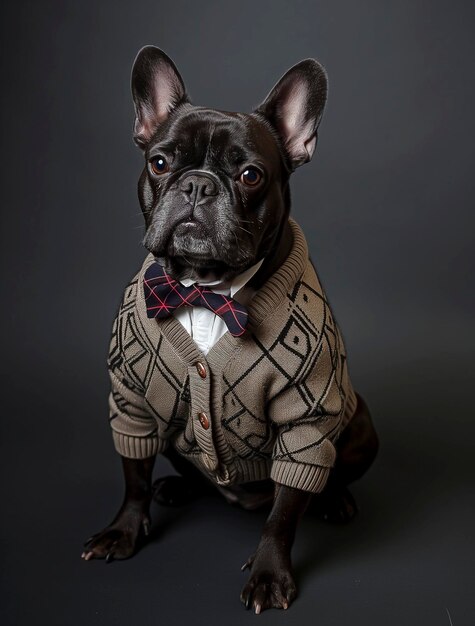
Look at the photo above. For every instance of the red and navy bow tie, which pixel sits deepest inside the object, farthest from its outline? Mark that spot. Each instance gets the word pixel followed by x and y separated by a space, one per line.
pixel 164 294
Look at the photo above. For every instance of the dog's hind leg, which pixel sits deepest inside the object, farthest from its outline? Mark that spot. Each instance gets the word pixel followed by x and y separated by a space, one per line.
pixel 356 448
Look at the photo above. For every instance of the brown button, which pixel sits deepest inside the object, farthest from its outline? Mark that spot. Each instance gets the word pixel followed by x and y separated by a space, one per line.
pixel 201 369
pixel 204 421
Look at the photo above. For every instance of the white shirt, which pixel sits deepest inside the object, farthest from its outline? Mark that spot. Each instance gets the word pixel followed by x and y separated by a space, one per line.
pixel 204 326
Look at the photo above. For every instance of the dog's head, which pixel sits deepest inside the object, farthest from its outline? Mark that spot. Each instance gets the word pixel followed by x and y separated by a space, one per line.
pixel 214 190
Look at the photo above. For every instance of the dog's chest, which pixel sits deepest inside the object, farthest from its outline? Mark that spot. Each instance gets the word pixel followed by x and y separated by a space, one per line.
pixel 236 393
pixel 225 408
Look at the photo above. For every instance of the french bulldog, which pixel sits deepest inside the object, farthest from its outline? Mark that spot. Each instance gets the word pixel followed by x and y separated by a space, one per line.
pixel 215 197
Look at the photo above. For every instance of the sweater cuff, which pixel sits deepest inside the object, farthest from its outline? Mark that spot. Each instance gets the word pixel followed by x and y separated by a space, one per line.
pixel 300 475
pixel 137 447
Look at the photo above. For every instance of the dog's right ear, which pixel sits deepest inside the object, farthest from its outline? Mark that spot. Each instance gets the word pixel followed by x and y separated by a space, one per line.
pixel 157 89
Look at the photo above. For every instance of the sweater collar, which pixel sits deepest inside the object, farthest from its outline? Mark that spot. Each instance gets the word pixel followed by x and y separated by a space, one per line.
pixel 282 281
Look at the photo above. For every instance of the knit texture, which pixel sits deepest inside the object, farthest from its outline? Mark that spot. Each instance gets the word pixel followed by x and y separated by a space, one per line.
pixel 272 402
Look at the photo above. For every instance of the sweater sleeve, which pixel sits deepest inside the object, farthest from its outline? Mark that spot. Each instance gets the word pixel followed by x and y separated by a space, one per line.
pixel 308 414
pixel 134 428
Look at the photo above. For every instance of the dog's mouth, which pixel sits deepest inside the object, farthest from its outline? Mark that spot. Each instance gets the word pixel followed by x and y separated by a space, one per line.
pixel 190 245
pixel 191 252
pixel 196 267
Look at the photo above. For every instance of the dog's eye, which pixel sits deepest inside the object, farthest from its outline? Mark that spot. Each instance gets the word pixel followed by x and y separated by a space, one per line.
pixel 159 165
pixel 250 176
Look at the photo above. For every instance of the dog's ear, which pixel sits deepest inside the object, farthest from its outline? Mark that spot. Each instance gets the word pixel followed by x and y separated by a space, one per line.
pixel 157 89
pixel 294 107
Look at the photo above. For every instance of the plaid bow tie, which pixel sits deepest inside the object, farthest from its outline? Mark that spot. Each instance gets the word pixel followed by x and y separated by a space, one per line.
pixel 164 294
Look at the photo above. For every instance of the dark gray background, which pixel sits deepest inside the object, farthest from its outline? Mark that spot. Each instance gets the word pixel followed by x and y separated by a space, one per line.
pixel 387 207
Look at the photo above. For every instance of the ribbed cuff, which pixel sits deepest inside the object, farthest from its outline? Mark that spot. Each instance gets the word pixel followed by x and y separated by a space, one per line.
pixel 137 447
pixel 300 475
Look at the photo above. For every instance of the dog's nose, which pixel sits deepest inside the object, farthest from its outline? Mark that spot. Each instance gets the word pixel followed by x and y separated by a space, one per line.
pixel 197 186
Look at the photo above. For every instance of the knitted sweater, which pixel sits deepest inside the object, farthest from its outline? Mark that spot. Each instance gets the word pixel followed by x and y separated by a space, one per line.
pixel 270 403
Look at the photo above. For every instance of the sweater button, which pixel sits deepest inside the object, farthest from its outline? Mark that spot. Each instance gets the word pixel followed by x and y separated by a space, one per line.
pixel 201 369
pixel 204 421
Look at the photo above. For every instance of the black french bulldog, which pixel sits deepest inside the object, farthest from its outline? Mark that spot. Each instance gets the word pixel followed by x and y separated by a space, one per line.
pixel 231 170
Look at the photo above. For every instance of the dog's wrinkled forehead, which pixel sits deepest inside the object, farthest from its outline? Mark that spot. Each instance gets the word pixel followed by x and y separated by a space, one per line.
pixel 293 108
pixel 222 141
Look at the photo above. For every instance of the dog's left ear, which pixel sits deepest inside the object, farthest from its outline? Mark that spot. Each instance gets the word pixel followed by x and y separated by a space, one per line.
pixel 157 89
pixel 294 107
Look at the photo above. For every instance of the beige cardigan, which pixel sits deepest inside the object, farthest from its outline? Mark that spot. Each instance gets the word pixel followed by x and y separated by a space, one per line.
pixel 271 402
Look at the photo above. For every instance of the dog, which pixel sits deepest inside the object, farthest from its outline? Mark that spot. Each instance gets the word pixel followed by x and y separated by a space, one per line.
pixel 216 203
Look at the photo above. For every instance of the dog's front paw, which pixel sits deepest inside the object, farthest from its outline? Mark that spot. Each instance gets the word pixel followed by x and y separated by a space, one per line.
pixel 270 584
pixel 119 540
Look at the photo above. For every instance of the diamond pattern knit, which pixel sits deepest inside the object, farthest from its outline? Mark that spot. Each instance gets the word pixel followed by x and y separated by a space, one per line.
pixel 276 398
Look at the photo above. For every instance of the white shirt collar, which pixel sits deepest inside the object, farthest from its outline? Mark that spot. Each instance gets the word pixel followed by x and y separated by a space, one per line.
pixel 237 282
